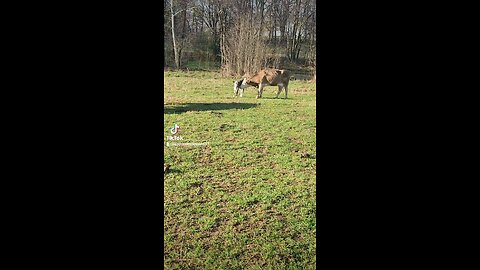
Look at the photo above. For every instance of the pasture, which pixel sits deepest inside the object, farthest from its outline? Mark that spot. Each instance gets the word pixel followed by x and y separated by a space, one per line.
pixel 246 199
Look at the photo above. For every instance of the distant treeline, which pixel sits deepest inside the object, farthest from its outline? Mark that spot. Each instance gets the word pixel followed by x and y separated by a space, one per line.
pixel 239 36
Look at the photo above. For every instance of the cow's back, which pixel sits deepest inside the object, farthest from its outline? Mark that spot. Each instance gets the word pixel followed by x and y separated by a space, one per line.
pixel 279 76
pixel 271 77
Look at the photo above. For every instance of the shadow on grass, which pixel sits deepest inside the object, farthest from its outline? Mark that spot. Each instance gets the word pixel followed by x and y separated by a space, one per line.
pixel 172 170
pixel 170 109
pixel 280 97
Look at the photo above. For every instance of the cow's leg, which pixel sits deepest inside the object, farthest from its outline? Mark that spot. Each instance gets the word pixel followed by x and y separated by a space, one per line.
pixel 260 90
pixel 241 92
pixel 286 91
pixel 279 90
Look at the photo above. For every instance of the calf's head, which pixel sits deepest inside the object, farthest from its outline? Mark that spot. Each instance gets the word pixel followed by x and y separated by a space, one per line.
pixel 242 84
pixel 237 86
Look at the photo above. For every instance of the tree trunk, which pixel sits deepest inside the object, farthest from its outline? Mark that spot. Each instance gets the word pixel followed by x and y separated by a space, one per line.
pixel 175 49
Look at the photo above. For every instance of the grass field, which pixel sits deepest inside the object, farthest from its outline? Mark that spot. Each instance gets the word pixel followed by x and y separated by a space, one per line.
pixel 246 200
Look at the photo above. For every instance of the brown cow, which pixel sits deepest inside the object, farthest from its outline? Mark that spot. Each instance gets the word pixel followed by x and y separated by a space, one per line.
pixel 265 77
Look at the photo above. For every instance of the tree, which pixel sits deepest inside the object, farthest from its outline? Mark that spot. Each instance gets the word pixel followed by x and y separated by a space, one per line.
pixel 176 46
pixel 243 46
pixel 241 35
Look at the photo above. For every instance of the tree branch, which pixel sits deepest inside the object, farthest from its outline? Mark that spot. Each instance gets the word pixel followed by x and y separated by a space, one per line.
pixel 182 10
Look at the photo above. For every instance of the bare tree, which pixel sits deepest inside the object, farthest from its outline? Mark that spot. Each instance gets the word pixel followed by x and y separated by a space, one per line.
pixel 241 35
pixel 296 28
pixel 243 51
pixel 177 47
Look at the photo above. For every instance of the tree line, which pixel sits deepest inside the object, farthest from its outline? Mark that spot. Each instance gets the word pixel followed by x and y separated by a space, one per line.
pixel 240 36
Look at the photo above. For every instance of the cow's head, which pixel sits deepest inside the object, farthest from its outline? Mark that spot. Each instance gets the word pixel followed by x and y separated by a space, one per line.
pixel 249 82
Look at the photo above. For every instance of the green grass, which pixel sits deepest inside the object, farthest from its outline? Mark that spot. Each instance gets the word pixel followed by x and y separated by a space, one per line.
pixel 247 199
